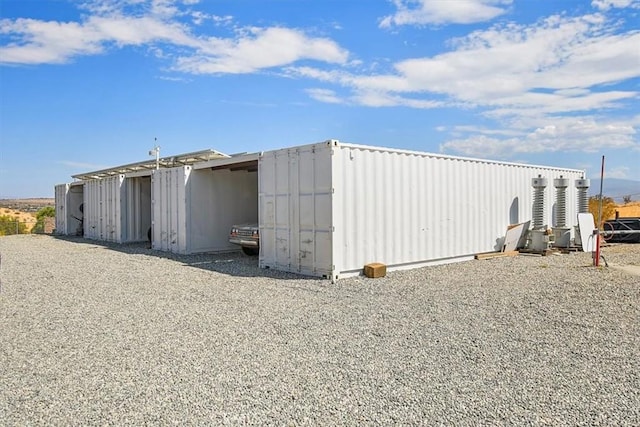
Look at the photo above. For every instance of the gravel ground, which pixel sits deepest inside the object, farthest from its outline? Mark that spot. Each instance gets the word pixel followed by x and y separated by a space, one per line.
pixel 95 334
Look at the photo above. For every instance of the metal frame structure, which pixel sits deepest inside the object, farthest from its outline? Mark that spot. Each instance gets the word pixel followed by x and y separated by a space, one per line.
pixel 149 165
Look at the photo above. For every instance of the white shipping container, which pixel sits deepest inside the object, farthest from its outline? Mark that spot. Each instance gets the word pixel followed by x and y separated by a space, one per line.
pixel 69 208
pixel 193 210
pixel 103 199
pixel 328 209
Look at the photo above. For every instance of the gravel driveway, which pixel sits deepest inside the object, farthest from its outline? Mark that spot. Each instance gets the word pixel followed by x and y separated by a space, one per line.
pixel 107 334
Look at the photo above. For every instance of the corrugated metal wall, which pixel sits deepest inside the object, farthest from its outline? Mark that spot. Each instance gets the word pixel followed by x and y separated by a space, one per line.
pixel 402 208
pixel 294 188
pixel 169 190
pixel 103 209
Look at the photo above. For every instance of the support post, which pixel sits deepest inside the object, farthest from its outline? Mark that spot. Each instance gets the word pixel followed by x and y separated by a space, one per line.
pixel 596 260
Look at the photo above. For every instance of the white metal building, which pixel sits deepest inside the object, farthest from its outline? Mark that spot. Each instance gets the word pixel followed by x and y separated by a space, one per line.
pixel 195 206
pixel 69 208
pixel 323 209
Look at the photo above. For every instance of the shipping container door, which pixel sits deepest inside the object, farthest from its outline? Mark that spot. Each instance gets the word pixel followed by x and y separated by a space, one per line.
pixel 295 210
pixel 266 209
pixel 273 212
pixel 61 191
pixel 312 210
pixel 169 207
pixel 92 209
pixel 102 208
pixel 111 208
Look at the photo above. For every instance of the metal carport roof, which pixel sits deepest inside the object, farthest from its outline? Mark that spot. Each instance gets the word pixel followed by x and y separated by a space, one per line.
pixel 148 165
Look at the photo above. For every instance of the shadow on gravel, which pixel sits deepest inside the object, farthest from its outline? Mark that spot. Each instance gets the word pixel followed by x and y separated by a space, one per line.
pixel 233 263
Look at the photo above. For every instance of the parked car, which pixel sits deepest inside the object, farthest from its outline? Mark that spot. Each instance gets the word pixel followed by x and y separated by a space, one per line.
pixel 247 236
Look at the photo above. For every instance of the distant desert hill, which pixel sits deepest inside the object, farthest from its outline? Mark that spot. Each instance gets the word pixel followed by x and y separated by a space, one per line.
pixel 26 205
pixel 616 188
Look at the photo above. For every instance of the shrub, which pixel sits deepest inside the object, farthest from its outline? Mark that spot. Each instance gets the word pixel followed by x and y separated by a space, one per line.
pixel 46 212
pixel 10 225
pixel 608 208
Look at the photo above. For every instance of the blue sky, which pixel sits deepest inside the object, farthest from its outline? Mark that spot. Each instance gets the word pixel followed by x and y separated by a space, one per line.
pixel 89 84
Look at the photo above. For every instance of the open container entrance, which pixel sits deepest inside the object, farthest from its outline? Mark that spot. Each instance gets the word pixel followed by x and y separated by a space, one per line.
pixel 194 207
pixel 137 209
pixel 224 192
pixel 69 199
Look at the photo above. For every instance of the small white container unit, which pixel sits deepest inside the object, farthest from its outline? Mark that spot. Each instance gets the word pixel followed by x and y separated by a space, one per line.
pixel 195 206
pixel 328 209
pixel 69 208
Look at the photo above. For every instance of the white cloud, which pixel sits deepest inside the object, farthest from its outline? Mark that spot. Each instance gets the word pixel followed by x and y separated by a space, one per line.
pixel 461 129
pixel 559 54
pixel 542 84
pixel 620 172
pixel 324 95
pixel 125 31
pixel 199 18
pixel 156 24
pixel 566 134
pixel 420 12
pixel 481 146
pixel 261 48
pixel 608 4
pixel 385 99
pixel 173 79
pixel 47 42
pixel 563 65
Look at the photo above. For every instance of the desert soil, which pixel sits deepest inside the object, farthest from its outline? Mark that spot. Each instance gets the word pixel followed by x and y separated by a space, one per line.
pixel 629 210
pixel 24 210
pixel 28 218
